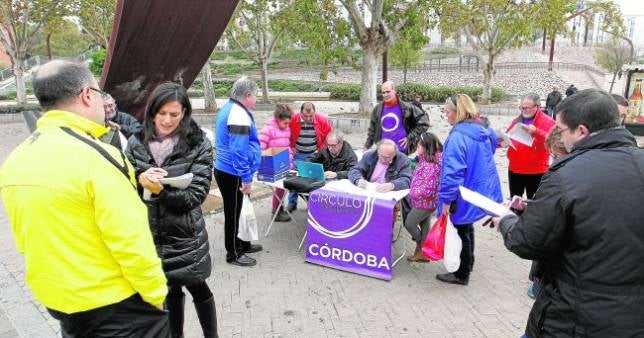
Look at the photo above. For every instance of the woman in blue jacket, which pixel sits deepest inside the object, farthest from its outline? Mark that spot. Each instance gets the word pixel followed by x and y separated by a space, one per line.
pixel 468 160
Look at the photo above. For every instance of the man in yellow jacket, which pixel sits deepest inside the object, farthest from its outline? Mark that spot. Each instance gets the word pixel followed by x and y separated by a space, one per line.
pixel 76 216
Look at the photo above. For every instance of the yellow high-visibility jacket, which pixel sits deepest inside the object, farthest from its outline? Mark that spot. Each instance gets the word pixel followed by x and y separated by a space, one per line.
pixel 78 219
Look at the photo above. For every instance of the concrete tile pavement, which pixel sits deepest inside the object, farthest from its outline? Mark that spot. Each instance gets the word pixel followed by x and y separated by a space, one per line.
pixel 285 297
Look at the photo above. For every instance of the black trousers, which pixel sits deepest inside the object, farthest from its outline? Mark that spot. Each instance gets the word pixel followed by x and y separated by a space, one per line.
pixel 199 292
pixel 131 317
pixel 233 198
pixel 466 233
pixel 523 182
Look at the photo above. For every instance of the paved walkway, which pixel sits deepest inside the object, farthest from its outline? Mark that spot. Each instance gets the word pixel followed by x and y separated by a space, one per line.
pixel 285 297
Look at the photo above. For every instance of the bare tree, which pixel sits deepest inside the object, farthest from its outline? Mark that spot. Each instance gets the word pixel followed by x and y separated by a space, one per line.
pixel 20 20
pixel 208 89
pixel 97 18
pixel 256 29
pixel 613 55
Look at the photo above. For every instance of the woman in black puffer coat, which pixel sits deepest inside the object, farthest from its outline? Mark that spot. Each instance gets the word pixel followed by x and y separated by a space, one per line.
pixel 172 144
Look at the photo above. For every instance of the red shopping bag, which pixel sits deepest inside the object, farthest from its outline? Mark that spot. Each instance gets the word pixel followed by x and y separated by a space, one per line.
pixel 434 244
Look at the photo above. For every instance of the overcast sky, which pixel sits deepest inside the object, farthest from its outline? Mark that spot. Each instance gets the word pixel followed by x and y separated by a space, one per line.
pixel 631 7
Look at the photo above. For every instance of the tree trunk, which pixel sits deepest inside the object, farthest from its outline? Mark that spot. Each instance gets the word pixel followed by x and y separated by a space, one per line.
pixel 324 73
pixel 264 65
pixel 543 43
pixel 384 67
pixel 405 73
pixel 18 72
pixel 612 83
pixel 552 52
pixel 457 39
pixel 368 78
pixel 208 89
pixel 49 53
pixel 488 75
pixel 586 33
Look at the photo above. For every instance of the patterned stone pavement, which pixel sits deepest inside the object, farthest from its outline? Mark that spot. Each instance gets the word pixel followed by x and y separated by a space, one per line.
pixel 285 297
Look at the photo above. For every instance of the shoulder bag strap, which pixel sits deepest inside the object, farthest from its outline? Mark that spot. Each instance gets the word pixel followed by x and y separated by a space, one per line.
pixel 122 168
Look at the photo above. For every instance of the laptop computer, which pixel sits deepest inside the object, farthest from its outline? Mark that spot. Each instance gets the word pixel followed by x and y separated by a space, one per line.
pixel 310 170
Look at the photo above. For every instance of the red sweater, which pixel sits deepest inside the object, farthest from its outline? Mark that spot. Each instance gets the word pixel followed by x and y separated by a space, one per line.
pixel 531 160
pixel 321 125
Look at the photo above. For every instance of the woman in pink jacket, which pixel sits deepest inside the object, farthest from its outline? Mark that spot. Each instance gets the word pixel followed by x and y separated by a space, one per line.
pixel 277 134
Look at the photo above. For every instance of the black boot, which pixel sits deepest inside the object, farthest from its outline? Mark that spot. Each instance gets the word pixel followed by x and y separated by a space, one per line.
pixel 175 306
pixel 207 317
pixel 282 216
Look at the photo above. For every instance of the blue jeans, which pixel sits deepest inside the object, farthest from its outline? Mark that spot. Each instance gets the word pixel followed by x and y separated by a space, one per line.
pixel 292 197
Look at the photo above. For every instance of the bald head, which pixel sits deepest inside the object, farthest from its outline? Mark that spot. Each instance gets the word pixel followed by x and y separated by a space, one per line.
pixel 386 151
pixel 58 82
pixel 388 91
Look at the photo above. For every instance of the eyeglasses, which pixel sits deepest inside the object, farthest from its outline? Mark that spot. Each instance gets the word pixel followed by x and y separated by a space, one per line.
pixel 527 108
pixel 330 145
pixel 560 130
pixel 104 95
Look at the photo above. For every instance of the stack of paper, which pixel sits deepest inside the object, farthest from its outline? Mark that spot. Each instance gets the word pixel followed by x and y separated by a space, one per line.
pixel 518 134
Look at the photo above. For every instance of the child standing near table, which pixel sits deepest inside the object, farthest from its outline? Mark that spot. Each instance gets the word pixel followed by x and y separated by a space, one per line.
pixel 423 193
pixel 277 134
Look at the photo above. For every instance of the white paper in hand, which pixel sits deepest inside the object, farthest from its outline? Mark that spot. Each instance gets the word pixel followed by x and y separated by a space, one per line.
pixel 506 139
pixel 518 134
pixel 488 205
pixel 179 182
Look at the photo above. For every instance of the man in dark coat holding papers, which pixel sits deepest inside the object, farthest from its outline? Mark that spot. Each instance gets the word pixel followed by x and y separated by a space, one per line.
pixel 585 226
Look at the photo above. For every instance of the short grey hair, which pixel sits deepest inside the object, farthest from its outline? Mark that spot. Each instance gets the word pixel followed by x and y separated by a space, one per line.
pixel 532 96
pixel 386 142
pixel 391 83
pixel 57 82
pixel 337 135
pixel 242 87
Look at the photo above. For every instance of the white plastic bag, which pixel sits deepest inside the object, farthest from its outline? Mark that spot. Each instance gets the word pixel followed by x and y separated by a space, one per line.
pixel 247 222
pixel 453 247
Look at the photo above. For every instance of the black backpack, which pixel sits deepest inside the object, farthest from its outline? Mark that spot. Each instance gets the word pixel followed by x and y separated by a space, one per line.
pixel 299 184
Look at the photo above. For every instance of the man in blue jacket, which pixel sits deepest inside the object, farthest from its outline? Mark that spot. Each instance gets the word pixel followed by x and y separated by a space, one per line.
pixel 237 160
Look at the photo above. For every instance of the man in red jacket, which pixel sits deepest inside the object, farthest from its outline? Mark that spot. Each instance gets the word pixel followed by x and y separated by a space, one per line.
pixel 529 163
pixel 308 135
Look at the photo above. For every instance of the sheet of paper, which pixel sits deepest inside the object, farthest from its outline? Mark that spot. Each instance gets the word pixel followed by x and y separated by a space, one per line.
pixel 506 139
pixel 518 134
pixel 348 187
pixel 488 205
pixel 179 182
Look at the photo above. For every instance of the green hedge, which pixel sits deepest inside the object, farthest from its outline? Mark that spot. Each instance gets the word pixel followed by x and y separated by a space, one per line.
pixel 11 95
pixel 13 109
pixel 98 59
pixel 233 54
pixel 348 91
pixel 409 90
pixel 222 87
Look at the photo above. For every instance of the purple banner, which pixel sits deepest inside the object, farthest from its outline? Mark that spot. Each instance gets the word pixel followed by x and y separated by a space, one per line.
pixel 350 232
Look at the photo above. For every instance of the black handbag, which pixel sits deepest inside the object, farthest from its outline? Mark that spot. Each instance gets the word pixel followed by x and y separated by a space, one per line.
pixel 299 184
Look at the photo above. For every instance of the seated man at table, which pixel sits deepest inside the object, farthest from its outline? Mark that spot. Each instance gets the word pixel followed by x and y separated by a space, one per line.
pixel 337 157
pixel 386 166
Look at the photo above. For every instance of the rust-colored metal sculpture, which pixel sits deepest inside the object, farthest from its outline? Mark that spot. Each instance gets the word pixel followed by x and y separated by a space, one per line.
pixel 160 40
